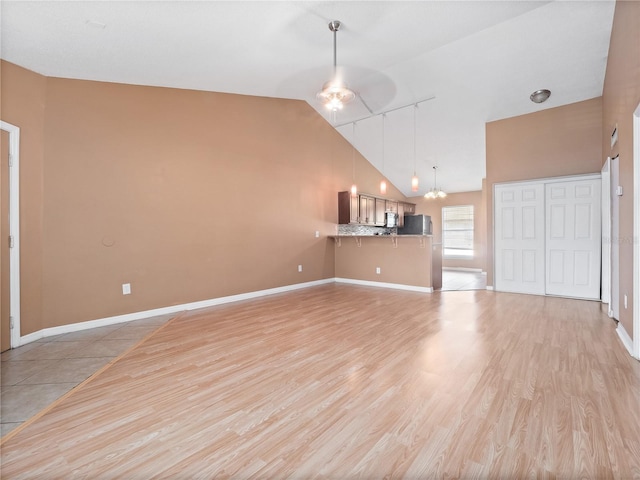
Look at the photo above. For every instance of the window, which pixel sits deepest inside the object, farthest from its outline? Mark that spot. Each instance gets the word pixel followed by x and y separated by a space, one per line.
pixel 457 231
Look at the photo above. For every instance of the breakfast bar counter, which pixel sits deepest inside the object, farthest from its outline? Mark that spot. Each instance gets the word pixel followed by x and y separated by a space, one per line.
pixel 396 261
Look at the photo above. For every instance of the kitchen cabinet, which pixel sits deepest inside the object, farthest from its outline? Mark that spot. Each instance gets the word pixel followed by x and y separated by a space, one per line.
pixel 348 206
pixel 391 206
pixel 381 205
pixel 367 210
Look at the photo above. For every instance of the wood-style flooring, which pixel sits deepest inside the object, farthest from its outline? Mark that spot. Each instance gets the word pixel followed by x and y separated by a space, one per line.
pixel 341 381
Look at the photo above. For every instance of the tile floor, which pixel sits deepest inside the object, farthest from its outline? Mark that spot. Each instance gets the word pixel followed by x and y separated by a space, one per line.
pixel 462 280
pixel 35 375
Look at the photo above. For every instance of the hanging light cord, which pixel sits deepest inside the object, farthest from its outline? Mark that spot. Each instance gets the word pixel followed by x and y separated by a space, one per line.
pixel 353 152
pixel 384 116
pixel 415 109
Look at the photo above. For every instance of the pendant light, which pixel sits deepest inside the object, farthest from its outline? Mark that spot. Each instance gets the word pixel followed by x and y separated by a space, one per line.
pixel 335 93
pixel 354 188
pixel 435 192
pixel 383 183
pixel 414 179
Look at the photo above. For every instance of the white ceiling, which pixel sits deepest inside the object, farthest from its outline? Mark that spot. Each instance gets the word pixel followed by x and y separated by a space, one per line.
pixel 476 60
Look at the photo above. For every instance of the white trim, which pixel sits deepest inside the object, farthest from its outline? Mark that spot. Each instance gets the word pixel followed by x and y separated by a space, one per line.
pixel 605 267
pixel 626 339
pixel 490 288
pixel 565 178
pixel 14 229
pixel 397 286
pixel 464 269
pixel 636 233
pixel 128 317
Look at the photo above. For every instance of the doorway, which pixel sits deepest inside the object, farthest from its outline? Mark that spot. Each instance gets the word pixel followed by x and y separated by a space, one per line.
pixel 463 279
pixel 9 236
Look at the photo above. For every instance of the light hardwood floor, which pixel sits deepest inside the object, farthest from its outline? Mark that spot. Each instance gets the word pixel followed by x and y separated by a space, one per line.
pixel 341 381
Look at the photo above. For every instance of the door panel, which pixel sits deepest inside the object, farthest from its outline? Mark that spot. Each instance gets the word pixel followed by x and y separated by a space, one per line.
pixel 5 331
pixel 573 239
pixel 519 238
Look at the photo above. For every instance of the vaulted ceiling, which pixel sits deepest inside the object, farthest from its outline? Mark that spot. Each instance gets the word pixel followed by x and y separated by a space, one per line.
pixel 463 63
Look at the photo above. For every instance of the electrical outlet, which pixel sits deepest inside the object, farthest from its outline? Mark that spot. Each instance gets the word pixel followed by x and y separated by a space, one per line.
pixel 299 268
pixel 317 234
pixel 625 302
pixel 126 288
pixel 378 270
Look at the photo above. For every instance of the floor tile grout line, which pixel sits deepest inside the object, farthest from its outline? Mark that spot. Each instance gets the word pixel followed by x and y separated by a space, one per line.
pixel 42 412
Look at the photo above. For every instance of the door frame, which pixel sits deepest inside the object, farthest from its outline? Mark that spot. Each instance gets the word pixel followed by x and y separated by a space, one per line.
pixel 636 233
pixel 605 285
pixel 614 304
pixel 14 229
pixel 544 181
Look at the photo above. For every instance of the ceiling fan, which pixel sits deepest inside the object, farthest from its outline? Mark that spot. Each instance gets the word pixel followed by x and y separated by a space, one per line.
pixel 335 93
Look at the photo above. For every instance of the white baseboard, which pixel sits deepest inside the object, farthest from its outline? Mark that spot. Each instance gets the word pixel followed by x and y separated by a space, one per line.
pixel 397 286
pixel 626 339
pixel 463 269
pixel 128 317
pixel 490 288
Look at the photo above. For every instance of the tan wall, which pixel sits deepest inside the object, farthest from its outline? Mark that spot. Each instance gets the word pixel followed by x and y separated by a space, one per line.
pixel 22 96
pixel 407 264
pixel 554 142
pixel 434 209
pixel 621 96
pixel 186 195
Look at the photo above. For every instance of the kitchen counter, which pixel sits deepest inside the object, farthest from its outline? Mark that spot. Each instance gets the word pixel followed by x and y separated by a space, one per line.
pixel 384 236
pixel 383 260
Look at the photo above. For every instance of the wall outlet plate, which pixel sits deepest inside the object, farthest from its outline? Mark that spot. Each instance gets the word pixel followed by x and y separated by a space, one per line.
pixel 126 288
pixel 299 268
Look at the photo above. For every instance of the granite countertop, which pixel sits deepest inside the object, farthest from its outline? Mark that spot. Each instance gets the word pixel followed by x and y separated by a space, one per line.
pixel 383 236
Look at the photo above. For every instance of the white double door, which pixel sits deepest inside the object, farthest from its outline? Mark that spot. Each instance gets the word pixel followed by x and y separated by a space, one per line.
pixel 547 237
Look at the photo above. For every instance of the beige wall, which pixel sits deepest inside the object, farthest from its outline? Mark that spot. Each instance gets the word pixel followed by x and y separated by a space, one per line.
pixel 554 142
pixel 186 195
pixel 400 264
pixel 22 104
pixel 621 96
pixel 434 209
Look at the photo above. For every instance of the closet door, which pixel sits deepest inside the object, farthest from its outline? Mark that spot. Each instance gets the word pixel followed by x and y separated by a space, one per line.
pixel 573 238
pixel 519 238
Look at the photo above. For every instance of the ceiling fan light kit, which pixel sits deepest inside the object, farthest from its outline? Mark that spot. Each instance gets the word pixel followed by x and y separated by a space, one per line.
pixel 335 93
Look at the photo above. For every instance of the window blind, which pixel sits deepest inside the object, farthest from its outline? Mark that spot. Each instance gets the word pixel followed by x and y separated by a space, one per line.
pixel 457 231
